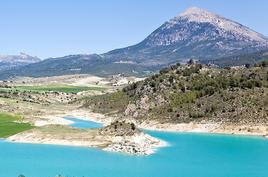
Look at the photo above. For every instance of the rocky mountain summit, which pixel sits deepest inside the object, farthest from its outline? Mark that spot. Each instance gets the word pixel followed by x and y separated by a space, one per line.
pixel 195 33
pixel 218 27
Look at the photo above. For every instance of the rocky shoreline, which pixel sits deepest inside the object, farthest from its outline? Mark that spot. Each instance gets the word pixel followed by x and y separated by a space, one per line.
pixel 121 135
pixel 214 128
pixel 139 145
pixel 117 137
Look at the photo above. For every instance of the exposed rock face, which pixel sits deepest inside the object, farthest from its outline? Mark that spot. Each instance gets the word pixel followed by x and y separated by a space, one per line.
pixel 139 144
pixel 130 110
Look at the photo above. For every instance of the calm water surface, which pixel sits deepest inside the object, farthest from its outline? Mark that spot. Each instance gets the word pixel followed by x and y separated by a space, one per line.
pixel 188 155
pixel 79 123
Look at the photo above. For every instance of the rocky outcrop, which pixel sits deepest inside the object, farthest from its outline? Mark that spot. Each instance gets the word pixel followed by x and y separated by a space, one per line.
pixel 138 144
pixel 119 128
pixel 127 138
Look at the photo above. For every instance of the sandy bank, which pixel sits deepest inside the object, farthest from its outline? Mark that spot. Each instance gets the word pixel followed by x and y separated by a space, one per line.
pixel 217 128
pixel 58 119
pixel 253 130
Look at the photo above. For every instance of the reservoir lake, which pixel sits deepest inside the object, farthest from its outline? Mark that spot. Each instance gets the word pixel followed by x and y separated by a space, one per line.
pixel 187 155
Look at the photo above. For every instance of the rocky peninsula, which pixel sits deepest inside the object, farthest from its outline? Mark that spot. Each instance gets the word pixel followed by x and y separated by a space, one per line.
pixel 119 136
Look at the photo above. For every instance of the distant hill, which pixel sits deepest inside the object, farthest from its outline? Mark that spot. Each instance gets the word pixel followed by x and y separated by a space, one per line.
pixel 74 64
pixel 193 93
pixel 193 34
pixel 239 60
pixel 13 61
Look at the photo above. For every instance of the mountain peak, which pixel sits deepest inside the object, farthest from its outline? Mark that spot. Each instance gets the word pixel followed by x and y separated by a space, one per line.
pixel 21 57
pixel 197 18
pixel 26 56
pixel 194 10
pixel 196 14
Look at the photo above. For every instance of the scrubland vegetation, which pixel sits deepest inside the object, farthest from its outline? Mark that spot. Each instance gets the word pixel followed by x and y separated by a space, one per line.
pixel 193 93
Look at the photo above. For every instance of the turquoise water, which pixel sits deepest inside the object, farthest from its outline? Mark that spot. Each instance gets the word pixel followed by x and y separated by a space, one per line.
pixel 189 155
pixel 79 123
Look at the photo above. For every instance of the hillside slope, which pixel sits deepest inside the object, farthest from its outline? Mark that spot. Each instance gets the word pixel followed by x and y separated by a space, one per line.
pixel 239 60
pixel 75 64
pixel 193 93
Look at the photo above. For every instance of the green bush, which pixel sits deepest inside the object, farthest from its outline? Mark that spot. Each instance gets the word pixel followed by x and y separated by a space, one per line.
pixel 164 70
pixel 181 98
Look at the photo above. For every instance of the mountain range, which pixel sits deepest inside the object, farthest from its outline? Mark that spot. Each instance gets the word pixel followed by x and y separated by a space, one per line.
pixel 194 34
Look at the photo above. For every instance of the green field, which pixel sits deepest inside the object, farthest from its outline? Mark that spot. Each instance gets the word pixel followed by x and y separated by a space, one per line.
pixel 52 88
pixel 10 125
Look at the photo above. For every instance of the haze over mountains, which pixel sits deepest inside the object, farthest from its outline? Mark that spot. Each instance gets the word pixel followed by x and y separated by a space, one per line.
pixel 193 34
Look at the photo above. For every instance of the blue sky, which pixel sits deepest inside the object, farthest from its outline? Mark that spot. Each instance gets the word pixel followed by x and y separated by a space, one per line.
pixel 51 28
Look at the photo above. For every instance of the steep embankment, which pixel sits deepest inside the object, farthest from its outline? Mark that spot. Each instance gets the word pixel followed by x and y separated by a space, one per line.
pixel 195 95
